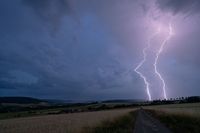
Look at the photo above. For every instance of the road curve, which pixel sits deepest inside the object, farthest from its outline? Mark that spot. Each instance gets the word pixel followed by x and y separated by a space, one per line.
pixel 147 124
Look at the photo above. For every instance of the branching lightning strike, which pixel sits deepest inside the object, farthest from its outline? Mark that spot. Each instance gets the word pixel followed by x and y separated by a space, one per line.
pixel 142 62
pixel 157 57
pixel 155 62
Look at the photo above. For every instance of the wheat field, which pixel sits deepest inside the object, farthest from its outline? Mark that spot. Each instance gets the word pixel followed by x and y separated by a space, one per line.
pixel 62 123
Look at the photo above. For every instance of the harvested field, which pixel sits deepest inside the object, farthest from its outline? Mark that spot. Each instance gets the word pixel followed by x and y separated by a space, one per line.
pixel 63 123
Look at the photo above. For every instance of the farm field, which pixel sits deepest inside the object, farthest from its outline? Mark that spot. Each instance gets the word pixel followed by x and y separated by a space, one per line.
pixel 179 118
pixel 62 123
pixel 192 109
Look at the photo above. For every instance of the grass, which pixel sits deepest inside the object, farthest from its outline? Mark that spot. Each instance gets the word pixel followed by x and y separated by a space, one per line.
pixel 11 115
pixel 61 123
pixel 180 118
pixel 178 122
pixel 192 109
pixel 123 124
pixel 17 111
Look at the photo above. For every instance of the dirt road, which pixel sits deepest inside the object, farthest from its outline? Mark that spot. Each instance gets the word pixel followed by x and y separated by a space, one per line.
pixel 147 124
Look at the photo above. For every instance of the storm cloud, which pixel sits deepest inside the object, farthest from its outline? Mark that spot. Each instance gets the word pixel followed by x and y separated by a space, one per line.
pixel 186 7
pixel 50 11
pixel 83 50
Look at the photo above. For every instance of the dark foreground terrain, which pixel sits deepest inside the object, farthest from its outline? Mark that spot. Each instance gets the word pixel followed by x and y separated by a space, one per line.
pixel 147 124
pixel 114 116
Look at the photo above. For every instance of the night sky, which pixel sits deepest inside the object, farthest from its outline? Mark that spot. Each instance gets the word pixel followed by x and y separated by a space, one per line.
pixel 88 49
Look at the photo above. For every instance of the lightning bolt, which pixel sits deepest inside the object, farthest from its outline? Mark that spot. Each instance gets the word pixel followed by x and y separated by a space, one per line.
pixel 157 58
pixel 147 84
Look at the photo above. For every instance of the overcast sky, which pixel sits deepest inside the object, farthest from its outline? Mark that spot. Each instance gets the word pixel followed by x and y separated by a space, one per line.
pixel 88 49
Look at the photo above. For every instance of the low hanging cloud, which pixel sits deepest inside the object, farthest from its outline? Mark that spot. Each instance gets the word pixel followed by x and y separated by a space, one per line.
pixel 179 6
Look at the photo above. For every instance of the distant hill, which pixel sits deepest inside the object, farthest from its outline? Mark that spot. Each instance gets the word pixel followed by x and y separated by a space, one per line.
pixel 20 100
pixel 123 101
pixel 56 101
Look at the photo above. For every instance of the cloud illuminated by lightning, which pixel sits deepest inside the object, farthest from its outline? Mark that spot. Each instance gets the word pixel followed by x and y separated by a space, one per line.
pixel 147 84
pixel 157 57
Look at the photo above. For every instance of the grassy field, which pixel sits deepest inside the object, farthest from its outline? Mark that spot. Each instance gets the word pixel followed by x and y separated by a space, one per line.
pixel 8 111
pixel 192 109
pixel 62 123
pixel 30 113
pixel 180 118
pixel 123 124
pixel 184 118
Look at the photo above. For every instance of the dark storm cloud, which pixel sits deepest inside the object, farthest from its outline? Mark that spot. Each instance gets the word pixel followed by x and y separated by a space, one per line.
pixel 83 61
pixel 50 11
pixel 179 6
pixel 35 64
